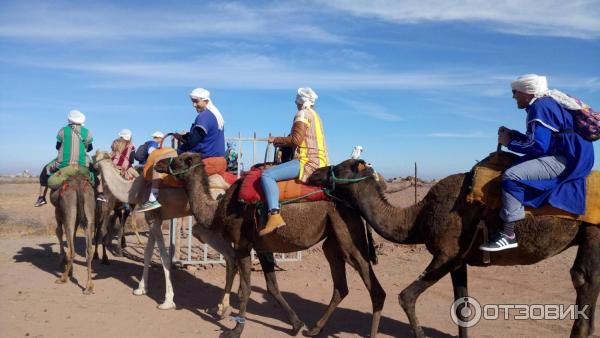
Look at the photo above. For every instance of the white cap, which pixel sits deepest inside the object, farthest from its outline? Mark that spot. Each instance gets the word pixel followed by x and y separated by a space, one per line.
pixel 125 134
pixel 200 93
pixel 158 134
pixel 306 97
pixel 531 84
pixel 76 117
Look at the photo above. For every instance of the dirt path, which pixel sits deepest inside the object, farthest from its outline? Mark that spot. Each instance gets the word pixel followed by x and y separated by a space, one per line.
pixel 32 305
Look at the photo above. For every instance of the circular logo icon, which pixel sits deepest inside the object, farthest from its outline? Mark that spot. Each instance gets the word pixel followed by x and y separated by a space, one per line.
pixel 465 311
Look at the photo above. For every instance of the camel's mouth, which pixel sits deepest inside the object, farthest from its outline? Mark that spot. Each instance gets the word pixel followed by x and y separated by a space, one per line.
pixel 162 166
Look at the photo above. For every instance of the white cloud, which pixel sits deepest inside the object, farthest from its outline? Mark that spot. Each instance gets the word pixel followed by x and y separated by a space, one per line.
pixel 575 18
pixel 476 134
pixel 99 21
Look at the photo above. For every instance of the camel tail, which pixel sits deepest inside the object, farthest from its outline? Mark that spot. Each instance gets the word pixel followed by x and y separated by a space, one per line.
pixel 371 245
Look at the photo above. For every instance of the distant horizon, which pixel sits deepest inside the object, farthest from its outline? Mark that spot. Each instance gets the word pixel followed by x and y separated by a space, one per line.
pixel 410 81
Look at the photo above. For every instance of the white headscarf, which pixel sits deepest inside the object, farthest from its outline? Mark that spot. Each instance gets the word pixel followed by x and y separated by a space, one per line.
pixel 306 97
pixel 203 94
pixel 538 86
pixel 76 117
pixel 125 134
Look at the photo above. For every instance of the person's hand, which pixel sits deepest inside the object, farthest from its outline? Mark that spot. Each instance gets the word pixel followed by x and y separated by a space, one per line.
pixel 504 136
pixel 178 137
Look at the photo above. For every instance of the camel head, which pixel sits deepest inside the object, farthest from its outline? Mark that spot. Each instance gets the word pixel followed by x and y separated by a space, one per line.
pixel 181 166
pixel 99 156
pixel 350 179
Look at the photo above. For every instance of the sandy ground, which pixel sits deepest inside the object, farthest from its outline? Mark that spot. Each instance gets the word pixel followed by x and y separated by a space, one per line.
pixel 32 305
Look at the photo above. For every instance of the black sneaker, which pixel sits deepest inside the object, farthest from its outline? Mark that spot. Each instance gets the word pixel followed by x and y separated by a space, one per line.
pixel 40 201
pixel 101 197
pixel 500 242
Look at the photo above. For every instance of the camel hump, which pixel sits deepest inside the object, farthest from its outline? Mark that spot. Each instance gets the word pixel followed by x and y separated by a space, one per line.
pixel 58 178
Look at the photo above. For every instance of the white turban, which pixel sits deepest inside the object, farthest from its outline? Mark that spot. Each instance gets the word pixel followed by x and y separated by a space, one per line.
pixel 538 86
pixel 306 97
pixel 203 94
pixel 531 84
pixel 158 134
pixel 125 134
pixel 76 117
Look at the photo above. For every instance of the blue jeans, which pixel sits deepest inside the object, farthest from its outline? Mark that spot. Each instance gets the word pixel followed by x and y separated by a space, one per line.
pixel 269 178
pixel 542 168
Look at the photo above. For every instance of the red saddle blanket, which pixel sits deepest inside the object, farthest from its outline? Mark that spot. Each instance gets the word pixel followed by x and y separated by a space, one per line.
pixel 229 177
pixel 251 190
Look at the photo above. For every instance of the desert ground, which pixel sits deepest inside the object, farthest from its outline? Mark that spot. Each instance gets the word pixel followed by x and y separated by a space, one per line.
pixel 32 305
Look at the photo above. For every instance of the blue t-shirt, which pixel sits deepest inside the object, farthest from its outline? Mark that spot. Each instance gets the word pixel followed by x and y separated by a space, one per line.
pixel 213 143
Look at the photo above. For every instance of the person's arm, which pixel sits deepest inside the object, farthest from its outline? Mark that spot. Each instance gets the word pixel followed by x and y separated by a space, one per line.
pixel 536 142
pixel 195 136
pixel 296 137
pixel 131 157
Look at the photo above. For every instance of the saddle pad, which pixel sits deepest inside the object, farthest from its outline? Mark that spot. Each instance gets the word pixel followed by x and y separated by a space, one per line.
pixel 251 189
pixel 56 180
pixel 166 179
pixel 487 186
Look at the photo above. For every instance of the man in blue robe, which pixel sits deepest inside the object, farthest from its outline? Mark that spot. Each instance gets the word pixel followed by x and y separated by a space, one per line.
pixel 555 164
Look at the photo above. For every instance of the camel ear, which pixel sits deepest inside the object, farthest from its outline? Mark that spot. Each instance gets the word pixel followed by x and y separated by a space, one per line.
pixel 360 166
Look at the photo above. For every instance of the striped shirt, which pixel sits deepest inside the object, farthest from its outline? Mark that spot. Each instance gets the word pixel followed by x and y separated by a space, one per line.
pixel 74 140
pixel 312 153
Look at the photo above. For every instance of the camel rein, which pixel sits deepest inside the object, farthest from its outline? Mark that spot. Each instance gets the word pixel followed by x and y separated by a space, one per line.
pixel 175 173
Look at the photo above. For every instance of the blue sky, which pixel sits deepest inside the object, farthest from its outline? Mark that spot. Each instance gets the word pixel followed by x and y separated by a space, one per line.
pixel 424 81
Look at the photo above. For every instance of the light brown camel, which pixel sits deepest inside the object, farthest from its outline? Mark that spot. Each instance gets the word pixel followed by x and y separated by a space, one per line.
pixel 175 204
pixel 74 204
pixel 447 225
pixel 307 224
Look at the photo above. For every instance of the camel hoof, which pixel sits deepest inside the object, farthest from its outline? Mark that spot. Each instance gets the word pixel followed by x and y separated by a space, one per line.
pixel 139 291
pixel 311 332
pixel 220 311
pixel 167 306
pixel 118 252
pixel 60 281
pixel 88 291
pixel 296 327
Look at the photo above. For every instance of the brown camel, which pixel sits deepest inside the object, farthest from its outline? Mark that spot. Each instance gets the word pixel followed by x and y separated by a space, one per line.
pixel 447 225
pixel 307 224
pixel 110 221
pixel 74 204
pixel 175 204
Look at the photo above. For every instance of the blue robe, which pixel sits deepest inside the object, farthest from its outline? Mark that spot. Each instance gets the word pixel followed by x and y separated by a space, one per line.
pixel 550 131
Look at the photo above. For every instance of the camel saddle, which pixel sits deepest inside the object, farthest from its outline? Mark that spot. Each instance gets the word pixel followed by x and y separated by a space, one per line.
pixel 486 188
pixel 217 184
pixel 289 191
pixel 62 175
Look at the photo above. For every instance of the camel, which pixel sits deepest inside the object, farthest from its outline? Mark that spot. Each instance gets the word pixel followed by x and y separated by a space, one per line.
pixel 341 227
pixel 174 205
pixel 74 204
pixel 107 215
pixel 447 224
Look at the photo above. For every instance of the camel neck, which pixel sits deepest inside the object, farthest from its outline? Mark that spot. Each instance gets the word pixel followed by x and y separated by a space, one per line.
pixel 395 224
pixel 201 203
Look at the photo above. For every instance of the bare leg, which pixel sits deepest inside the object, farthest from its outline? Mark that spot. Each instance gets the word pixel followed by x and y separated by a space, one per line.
pixel 340 284
pixel 89 233
pixel 245 265
pixel 166 264
pixel 459 284
pixel 267 261
pixel 437 269
pixel 142 286
pixel 585 275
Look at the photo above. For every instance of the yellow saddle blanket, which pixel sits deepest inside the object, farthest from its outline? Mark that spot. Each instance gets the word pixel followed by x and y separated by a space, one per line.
pixel 487 186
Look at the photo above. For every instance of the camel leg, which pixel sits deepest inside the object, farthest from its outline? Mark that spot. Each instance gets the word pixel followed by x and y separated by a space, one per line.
pixel 70 251
pixel 217 241
pixel 267 262
pixel 436 269
pixel 142 286
pixel 585 275
pixel 59 235
pixel 245 266
pixel 459 284
pixel 168 304
pixel 89 234
pixel 340 284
